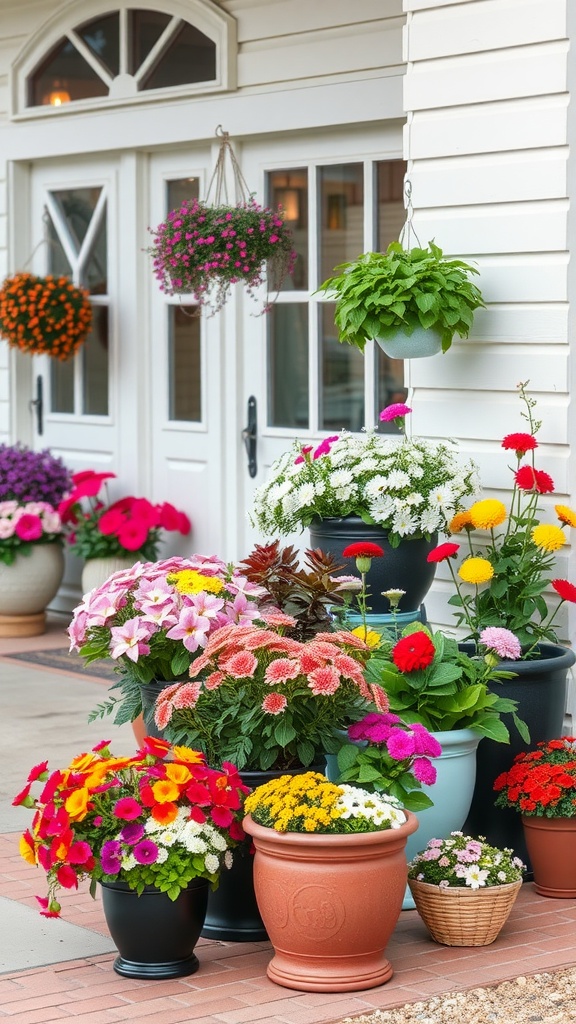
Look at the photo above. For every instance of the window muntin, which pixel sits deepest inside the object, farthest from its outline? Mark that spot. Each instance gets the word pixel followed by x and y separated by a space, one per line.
pixel 314 382
pixel 155 51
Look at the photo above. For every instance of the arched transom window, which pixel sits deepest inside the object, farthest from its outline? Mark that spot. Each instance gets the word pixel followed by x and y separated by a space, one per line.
pixel 126 53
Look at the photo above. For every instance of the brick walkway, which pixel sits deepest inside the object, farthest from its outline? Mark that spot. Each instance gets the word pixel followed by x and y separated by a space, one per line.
pixel 231 986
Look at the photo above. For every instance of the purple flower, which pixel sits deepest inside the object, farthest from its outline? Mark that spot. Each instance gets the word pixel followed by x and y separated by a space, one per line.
pixel 26 475
pixel 111 857
pixel 505 643
pixel 146 852
pixel 132 832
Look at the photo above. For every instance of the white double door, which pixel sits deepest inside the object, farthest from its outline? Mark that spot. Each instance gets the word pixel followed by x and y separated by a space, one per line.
pixel 160 396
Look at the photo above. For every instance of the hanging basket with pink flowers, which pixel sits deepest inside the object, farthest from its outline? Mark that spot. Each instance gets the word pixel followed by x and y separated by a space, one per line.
pixel 204 247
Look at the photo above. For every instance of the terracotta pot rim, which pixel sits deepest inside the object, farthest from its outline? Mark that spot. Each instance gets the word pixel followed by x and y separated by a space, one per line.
pixel 561 822
pixel 323 840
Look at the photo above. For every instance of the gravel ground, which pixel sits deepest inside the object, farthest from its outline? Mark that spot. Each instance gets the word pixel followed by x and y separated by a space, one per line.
pixel 538 999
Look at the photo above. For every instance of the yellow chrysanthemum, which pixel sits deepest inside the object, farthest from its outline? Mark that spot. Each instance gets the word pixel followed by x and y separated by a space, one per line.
pixel 190 581
pixel 461 521
pixel 369 636
pixel 485 515
pixel 476 570
pixel 549 538
pixel 565 514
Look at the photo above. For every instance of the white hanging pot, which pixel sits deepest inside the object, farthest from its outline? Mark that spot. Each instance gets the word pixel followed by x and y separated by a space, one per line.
pixel 423 342
pixel 27 587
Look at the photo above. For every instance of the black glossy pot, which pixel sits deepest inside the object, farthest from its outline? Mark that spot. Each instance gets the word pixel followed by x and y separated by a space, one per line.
pixel 401 568
pixel 232 914
pixel 540 689
pixel 155 936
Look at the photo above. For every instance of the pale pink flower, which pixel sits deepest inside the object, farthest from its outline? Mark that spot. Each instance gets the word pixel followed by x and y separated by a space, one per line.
pixel 505 643
pixel 241 665
pixel 278 619
pixel 191 629
pixel 274 703
pixel 129 639
pixel 186 695
pixel 241 610
pixel 6 529
pixel 163 714
pixel 206 604
pixel 213 681
pixel 280 670
pixel 324 681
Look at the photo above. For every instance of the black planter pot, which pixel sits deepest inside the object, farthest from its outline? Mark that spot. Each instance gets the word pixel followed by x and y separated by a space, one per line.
pixel 232 914
pixel 401 568
pixel 154 935
pixel 540 689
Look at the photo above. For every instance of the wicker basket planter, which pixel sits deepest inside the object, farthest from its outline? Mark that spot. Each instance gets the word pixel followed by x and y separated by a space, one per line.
pixel 464 917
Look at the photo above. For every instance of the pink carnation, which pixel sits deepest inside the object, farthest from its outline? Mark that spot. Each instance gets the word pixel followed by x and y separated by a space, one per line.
pixel 186 695
pixel 274 703
pixel 242 665
pixel 324 681
pixel 280 670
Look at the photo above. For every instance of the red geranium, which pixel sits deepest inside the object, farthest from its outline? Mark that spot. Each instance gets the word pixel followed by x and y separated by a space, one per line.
pixel 541 782
pixel 413 652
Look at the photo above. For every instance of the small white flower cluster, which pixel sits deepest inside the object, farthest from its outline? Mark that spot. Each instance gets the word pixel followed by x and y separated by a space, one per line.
pixel 380 810
pixel 196 838
pixel 409 486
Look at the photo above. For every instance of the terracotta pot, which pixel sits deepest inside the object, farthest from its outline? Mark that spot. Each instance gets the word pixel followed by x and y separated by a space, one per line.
pixel 551 845
pixel 27 587
pixel 330 904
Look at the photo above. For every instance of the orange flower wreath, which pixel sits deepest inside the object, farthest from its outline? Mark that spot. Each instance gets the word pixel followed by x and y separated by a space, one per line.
pixel 44 315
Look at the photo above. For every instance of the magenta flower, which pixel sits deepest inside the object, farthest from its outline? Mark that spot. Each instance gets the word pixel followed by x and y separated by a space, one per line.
pixel 28 527
pixel 146 852
pixel 400 745
pixel 132 833
pixel 394 412
pixel 111 857
pixel 127 808
pixel 424 771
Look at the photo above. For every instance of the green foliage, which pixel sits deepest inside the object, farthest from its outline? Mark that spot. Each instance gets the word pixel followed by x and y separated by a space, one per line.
pixel 450 693
pixel 379 294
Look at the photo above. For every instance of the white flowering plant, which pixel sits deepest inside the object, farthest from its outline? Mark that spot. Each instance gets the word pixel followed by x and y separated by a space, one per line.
pixel 409 486
pixel 310 803
pixel 463 862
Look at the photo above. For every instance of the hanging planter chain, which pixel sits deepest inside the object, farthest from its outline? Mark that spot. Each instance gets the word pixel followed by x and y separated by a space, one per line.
pixel 408 228
pixel 217 194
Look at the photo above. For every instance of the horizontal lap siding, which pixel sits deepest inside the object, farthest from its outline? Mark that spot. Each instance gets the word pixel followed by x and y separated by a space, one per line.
pixel 486 93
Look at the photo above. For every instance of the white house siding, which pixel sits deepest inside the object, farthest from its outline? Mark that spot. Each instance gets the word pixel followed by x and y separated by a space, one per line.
pixel 487 142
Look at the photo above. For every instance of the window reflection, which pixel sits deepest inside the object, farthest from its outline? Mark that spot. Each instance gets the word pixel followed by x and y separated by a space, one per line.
pixel 390 202
pixel 62 386
pixel 288 366
pixel 389 386
pixel 341 399
pixel 341 199
pixel 289 189
pixel 95 366
pixel 184 365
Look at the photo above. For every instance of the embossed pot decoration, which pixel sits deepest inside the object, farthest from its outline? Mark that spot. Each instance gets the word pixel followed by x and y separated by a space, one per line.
pixel 330 904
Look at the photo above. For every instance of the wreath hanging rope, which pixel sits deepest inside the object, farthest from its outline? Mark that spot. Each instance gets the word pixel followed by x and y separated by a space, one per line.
pixel 44 315
pixel 206 246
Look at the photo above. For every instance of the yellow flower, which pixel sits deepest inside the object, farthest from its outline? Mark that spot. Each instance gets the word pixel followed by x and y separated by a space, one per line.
pixel 565 514
pixel 369 636
pixel 189 581
pixel 461 521
pixel 549 538
pixel 188 755
pixel 77 803
pixel 27 850
pixel 165 791
pixel 178 773
pixel 485 515
pixel 476 570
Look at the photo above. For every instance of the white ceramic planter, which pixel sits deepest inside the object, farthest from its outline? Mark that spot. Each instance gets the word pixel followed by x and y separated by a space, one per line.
pixel 97 570
pixel 418 345
pixel 27 587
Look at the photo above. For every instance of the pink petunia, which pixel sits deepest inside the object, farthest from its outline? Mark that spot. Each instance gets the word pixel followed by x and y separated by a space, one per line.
pixel 191 629
pixel 129 639
pixel 127 808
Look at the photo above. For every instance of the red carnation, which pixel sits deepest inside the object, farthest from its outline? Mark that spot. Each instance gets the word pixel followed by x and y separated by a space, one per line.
pixel 413 652
pixel 565 589
pixel 520 443
pixel 442 552
pixel 363 549
pixel 529 479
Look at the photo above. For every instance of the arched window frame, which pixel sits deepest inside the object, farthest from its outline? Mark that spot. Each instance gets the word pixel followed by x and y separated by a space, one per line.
pixel 202 14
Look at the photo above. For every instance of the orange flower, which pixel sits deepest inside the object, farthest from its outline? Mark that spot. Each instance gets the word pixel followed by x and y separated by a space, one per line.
pixel 164 814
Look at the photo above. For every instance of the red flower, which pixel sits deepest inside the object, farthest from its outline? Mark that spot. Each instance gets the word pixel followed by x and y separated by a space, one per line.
pixel 88 483
pixel 529 479
pixel 442 552
pixel 413 652
pixel 363 549
pixel 520 443
pixel 565 589
pixel 133 534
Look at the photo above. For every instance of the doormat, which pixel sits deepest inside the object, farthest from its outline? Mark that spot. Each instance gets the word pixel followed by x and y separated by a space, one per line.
pixel 61 658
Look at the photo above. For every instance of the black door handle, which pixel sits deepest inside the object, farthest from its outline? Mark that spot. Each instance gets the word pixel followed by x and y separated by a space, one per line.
pixel 250 435
pixel 38 404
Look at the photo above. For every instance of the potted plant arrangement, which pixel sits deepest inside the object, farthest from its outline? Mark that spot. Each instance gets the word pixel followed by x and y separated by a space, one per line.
pixel 113 535
pixel 272 704
pixel 412 302
pixel 154 830
pixel 31 559
pixel 396 493
pixel 464 889
pixel 202 250
pixel 44 315
pixel 500 588
pixel 540 787
pixel 330 873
